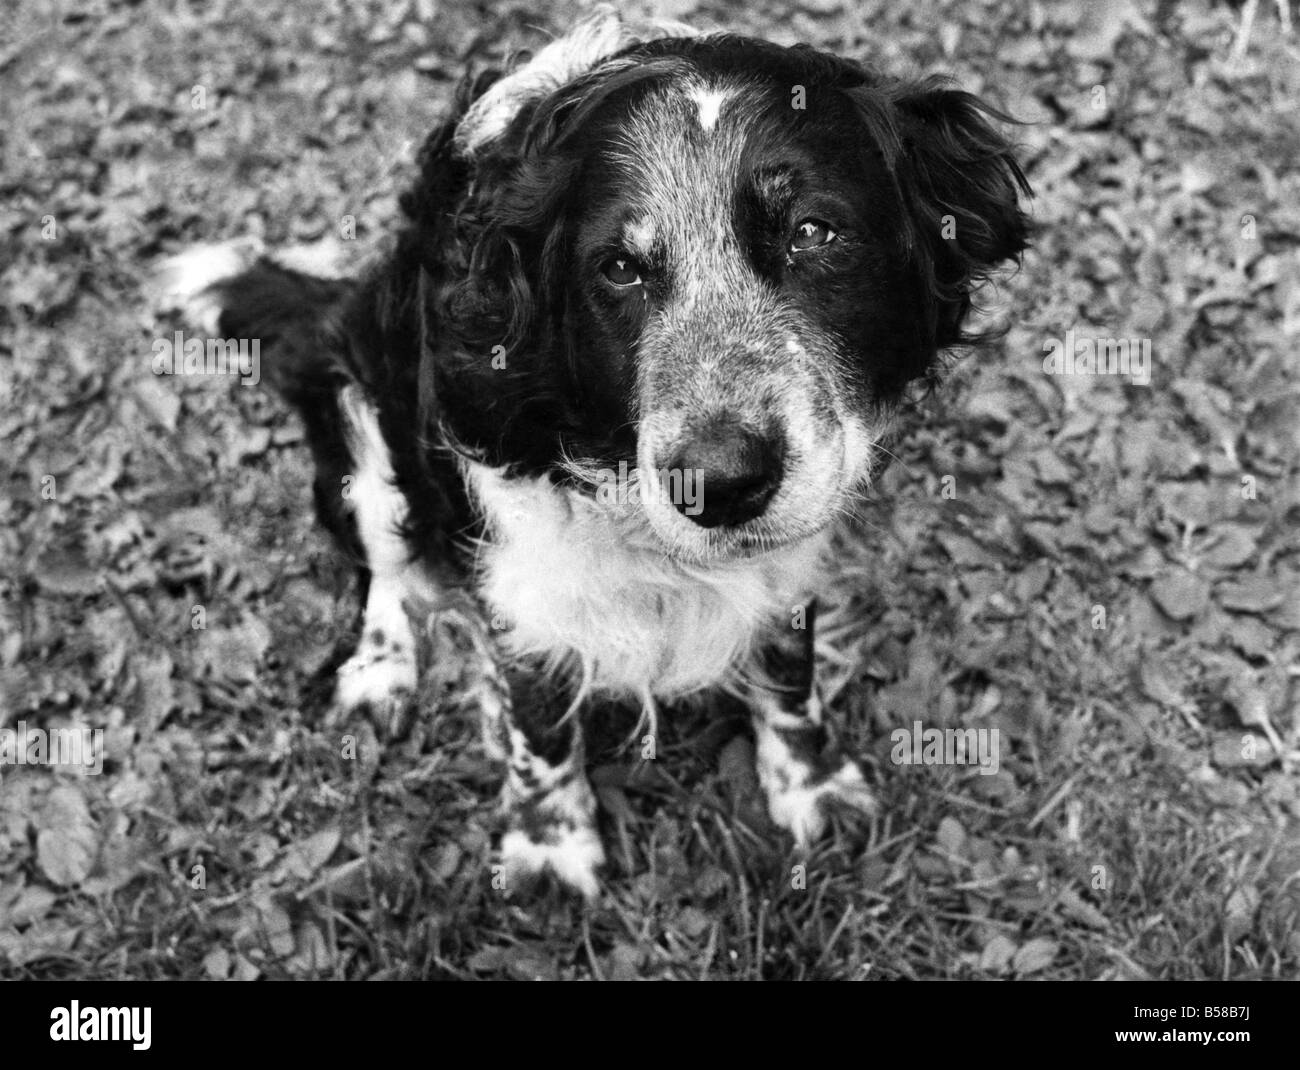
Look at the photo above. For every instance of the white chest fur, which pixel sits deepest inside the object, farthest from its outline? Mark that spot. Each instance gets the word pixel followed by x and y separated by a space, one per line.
pixel 588 587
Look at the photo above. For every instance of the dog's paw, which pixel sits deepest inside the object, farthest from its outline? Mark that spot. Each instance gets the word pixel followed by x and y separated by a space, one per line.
pixel 800 791
pixel 572 854
pixel 551 830
pixel 380 683
pixel 803 809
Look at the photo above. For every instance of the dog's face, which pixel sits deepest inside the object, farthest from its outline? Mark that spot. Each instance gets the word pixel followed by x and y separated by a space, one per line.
pixel 735 258
pixel 735 269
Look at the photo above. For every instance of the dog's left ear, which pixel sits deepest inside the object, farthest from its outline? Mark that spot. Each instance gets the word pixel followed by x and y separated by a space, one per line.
pixel 966 170
pixel 961 186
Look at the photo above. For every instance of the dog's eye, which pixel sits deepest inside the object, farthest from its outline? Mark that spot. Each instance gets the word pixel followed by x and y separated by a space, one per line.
pixel 622 271
pixel 810 234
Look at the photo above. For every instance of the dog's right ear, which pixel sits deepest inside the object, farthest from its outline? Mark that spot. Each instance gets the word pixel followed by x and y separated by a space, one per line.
pixel 564 60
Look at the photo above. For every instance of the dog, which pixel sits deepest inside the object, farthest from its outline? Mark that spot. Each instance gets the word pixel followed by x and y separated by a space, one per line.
pixel 631 359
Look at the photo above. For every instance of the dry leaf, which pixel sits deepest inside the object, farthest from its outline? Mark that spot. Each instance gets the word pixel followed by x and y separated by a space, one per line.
pixel 1180 595
pixel 997 954
pixel 67 838
pixel 1035 956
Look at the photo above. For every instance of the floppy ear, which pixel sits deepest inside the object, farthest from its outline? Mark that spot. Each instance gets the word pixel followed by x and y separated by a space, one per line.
pixel 961 186
pixel 958 182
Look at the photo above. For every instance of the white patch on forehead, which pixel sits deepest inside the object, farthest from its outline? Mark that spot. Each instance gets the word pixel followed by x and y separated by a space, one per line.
pixel 685 181
pixel 708 105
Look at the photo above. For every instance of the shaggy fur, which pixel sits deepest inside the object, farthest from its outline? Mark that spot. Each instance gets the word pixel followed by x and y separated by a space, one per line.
pixel 631 359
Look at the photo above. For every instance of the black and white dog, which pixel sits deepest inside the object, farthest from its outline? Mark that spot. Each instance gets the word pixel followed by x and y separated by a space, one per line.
pixel 629 362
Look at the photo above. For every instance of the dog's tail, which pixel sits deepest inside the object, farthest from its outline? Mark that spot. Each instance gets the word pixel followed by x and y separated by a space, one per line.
pixel 286 303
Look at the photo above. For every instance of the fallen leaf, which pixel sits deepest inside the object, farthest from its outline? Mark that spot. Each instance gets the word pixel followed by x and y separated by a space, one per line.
pixel 1256 595
pixel 1074 906
pixel 305 857
pixel 235 653
pixel 32 904
pixel 1180 595
pixel 1234 546
pixel 161 404
pixel 1234 750
pixel 951 836
pixel 1034 956
pixel 66 842
pixel 216 964
pixel 997 954
pixel 1160 684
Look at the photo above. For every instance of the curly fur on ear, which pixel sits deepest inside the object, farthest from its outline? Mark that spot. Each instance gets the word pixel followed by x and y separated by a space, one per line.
pixel 494 297
pixel 458 286
pixel 955 174
pixel 967 177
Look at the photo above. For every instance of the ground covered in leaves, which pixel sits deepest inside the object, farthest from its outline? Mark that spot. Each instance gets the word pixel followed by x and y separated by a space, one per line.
pixel 1105 572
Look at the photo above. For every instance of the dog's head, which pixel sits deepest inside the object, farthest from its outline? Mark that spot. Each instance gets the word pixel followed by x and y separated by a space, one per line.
pixel 713 259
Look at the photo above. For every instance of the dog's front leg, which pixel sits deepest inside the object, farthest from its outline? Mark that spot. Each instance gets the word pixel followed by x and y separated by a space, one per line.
pixel 547 801
pixel 799 765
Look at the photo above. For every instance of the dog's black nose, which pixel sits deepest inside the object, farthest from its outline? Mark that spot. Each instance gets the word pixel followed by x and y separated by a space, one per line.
pixel 728 473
